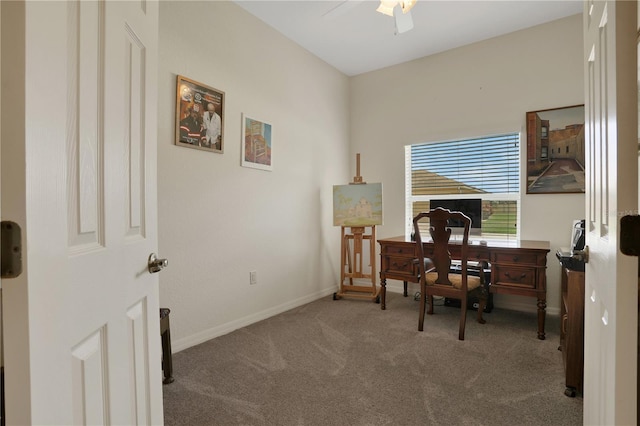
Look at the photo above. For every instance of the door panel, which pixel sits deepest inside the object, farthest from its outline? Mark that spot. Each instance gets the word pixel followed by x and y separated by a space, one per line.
pixel 90 382
pixel 135 144
pixel 139 352
pixel 85 141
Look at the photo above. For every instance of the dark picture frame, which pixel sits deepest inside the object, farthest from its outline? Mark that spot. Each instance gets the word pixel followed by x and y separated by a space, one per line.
pixel 199 116
pixel 555 150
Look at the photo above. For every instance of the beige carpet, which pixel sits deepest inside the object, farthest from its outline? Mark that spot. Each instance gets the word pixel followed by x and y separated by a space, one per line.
pixel 346 362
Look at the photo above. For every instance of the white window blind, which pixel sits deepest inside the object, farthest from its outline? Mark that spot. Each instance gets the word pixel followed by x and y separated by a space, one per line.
pixel 486 167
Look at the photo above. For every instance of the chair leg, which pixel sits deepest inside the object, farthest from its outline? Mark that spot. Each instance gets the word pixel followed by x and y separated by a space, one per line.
pixel 423 300
pixel 430 312
pixel 481 305
pixel 463 317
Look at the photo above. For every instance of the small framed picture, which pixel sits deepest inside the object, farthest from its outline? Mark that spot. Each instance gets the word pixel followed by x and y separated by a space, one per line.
pixel 199 116
pixel 256 144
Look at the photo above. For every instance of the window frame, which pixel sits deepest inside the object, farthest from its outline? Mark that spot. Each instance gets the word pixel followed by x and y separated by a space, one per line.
pixel 503 196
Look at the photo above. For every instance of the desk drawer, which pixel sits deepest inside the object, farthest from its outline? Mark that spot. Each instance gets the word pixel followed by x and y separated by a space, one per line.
pixel 476 253
pixel 404 250
pixel 522 258
pixel 511 276
pixel 401 265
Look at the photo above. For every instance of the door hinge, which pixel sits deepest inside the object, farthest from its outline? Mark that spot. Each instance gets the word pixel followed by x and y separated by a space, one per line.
pixel 630 235
pixel 10 249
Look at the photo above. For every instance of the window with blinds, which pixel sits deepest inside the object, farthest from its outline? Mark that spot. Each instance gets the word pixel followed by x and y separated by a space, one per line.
pixel 487 168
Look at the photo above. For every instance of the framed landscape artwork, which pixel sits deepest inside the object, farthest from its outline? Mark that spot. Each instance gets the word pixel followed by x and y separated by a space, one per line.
pixel 556 150
pixel 199 116
pixel 256 144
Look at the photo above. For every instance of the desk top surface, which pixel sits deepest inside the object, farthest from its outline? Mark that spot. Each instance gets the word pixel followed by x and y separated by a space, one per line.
pixel 476 242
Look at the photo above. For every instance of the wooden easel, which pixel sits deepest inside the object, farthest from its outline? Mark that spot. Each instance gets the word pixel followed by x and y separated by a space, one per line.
pixel 351 264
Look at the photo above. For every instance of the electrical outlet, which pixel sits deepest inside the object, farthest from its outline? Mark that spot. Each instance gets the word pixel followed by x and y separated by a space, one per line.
pixel 253 277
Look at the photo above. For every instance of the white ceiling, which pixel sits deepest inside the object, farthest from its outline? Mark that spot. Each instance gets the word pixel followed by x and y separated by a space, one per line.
pixel 356 39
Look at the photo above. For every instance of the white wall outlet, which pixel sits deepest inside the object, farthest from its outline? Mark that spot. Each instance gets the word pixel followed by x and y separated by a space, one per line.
pixel 253 277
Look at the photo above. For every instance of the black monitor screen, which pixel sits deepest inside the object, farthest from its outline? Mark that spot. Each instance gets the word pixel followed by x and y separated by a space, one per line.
pixel 471 207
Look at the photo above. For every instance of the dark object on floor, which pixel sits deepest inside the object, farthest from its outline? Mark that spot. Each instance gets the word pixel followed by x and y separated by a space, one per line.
pixel 165 335
pixel 474 302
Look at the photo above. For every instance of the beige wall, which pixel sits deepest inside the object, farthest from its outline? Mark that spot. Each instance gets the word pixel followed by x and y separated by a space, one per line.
pixel 481 89
pixel 217 220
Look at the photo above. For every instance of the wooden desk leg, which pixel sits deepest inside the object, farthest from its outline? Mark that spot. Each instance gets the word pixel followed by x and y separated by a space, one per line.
pixel 405 289
pixel 542 312
pixel 383 294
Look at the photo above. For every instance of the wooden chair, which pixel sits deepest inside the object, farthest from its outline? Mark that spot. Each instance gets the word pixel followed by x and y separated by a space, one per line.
pixel 436 278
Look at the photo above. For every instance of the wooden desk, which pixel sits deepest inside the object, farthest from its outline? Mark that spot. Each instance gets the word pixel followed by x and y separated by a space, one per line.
pixel 517 267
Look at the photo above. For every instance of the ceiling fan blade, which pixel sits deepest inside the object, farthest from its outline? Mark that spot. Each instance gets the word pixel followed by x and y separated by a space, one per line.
pixel 404 21
pixel 341 8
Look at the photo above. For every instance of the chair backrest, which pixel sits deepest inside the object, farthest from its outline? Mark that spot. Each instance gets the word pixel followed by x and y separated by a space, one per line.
pixel 441 234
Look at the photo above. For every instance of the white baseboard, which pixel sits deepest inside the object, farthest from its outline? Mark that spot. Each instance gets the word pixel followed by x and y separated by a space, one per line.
pixel 203 336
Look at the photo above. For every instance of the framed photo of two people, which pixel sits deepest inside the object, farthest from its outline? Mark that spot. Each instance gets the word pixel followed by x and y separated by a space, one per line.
pixel 199 116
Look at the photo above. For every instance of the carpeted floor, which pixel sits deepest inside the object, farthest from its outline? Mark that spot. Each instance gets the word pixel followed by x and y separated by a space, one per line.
pixel 347 362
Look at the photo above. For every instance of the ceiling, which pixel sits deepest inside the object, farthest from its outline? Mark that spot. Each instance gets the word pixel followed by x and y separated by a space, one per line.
pixel 356 39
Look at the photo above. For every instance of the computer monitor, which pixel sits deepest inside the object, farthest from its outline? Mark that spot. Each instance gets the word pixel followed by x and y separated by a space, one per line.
pixel 471 207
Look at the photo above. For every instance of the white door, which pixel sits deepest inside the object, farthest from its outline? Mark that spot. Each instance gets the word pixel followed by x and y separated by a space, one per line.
pixel 91 354
pixel 611 316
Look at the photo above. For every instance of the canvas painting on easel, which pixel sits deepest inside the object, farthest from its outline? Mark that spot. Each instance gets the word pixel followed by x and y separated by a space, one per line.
pixel 357 205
